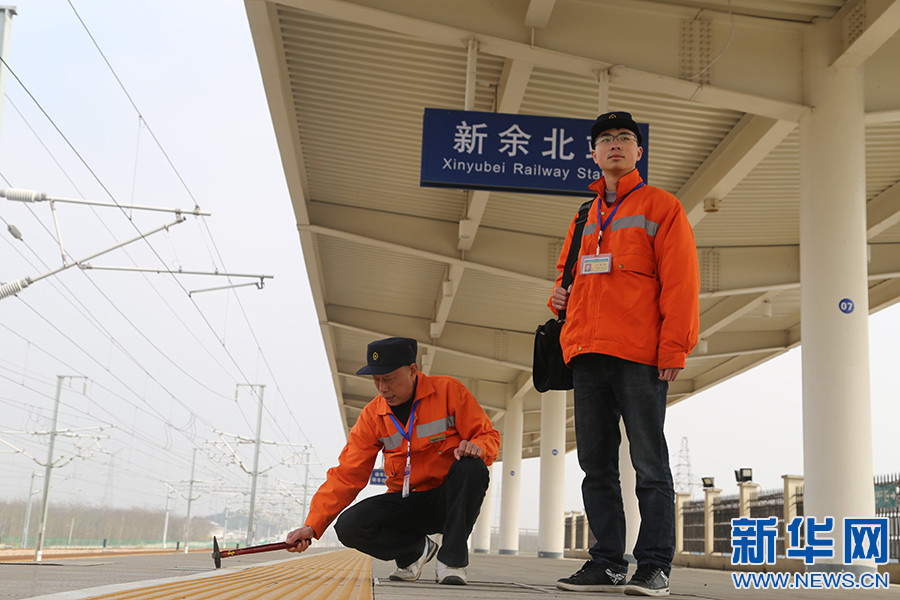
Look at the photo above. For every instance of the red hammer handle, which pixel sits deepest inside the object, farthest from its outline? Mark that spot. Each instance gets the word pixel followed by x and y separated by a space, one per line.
pixel 255 549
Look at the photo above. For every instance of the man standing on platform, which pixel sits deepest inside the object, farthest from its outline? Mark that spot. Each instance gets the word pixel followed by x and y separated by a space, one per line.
pixel 632 316
pixel 437 443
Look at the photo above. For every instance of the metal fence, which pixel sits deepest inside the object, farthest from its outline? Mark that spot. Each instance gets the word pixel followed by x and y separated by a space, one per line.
pixel 887 492
pixel 725 508
pixel 694 515
pixel 578 535
pixel 528 541
pixel 766 504
pixel 580 526
pixel 771 504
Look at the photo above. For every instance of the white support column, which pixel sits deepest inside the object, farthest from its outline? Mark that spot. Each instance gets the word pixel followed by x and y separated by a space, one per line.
pixel 551 521
pixel 513 423
pixel 747 493
pixel 628 480
pixel 837 429
pixel 481 533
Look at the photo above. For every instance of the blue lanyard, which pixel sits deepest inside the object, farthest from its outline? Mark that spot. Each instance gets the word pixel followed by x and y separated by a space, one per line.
pixel 407 433
pixel 604 224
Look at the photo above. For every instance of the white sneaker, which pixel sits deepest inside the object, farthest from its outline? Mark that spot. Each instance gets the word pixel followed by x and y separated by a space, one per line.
pixel 413 571
pixel 449 575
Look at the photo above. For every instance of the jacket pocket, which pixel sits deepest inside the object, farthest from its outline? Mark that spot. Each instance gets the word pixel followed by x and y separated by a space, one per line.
pixel 448 445
pixel 636 289
pixel 635 263
pixel 395 464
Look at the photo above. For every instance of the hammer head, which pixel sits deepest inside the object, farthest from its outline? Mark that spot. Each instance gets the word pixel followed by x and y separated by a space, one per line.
pixel 217 554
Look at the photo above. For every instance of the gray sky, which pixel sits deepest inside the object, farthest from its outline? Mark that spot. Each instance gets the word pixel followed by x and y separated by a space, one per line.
pixel 162 366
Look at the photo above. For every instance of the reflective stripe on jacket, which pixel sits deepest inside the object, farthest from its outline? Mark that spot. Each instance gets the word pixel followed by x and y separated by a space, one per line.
pixel 447 413
pixel 646 309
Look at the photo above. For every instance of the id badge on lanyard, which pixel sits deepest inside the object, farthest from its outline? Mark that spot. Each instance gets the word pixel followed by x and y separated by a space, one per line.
pixel 594 264
pixel 406 474
pixel 407 435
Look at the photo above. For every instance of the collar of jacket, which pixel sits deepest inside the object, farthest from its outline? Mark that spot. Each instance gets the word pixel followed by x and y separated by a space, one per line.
pixel 424 387
pixel 626 184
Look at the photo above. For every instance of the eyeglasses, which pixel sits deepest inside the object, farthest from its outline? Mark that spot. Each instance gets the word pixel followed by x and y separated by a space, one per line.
pixel 623 138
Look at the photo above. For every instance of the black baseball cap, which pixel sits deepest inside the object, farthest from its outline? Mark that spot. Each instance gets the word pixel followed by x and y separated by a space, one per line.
pixel 615 120
pixel 389 354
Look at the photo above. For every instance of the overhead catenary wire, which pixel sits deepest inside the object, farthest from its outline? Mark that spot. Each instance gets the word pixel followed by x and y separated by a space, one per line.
pixel 98 180
pixel 125 251
pixel 94 284
pixel 85 312
pixel 137 155
pixel 153 250
pixel 151 413
pixel 69 415
pixel 141 472
pixel 279 392
pixel 187 189
pixel 190 194
pixel 147 440
pixel 133 104
pixel 69 298
pixel 90 356
pixel 112 393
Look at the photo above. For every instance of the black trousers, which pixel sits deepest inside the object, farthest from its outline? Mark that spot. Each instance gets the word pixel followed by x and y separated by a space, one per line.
pixel 390 527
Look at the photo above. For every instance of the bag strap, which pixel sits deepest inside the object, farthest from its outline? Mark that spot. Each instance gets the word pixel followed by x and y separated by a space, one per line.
pixel 574 247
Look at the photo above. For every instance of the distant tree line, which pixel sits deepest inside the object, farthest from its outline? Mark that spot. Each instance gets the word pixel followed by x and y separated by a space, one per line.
pixel 86 524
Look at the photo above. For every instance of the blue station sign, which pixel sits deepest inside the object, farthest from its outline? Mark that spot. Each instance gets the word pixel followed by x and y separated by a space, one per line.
pixel 511 152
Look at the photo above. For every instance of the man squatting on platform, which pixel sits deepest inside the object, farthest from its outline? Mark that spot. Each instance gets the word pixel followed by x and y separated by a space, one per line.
pixel 437 443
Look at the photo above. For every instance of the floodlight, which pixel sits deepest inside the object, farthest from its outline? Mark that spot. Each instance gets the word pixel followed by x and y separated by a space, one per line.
pixel 742 475
pixel 708 482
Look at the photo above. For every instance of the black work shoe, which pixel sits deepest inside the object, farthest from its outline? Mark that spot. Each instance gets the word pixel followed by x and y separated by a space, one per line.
pixel 648 581
pixel 593 578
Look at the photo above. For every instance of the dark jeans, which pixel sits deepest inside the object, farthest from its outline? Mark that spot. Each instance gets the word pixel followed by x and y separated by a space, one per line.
pixel 390 527
pixel 607 387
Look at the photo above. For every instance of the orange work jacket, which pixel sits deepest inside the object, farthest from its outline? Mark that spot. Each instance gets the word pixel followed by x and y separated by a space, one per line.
pixel 646 309
pixel 446 414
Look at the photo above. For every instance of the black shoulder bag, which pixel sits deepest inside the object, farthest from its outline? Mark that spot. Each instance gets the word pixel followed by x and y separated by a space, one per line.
pixel 548 370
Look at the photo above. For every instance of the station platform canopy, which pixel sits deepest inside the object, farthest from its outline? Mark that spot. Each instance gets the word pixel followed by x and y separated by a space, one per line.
pixel 468 272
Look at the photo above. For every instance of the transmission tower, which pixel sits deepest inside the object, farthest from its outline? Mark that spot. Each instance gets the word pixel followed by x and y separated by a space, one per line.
pixel 684 477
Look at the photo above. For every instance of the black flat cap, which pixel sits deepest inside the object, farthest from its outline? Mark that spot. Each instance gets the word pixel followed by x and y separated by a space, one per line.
pixel 615 120
pixel 384 356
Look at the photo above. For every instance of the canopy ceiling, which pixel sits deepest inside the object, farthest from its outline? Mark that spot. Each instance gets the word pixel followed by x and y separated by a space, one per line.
pixel 468 273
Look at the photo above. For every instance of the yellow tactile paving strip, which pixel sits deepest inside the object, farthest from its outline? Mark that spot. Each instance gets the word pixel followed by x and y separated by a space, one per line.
pixel 343 575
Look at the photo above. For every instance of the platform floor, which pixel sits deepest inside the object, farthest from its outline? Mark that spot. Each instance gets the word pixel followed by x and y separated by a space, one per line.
pixel 336 574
